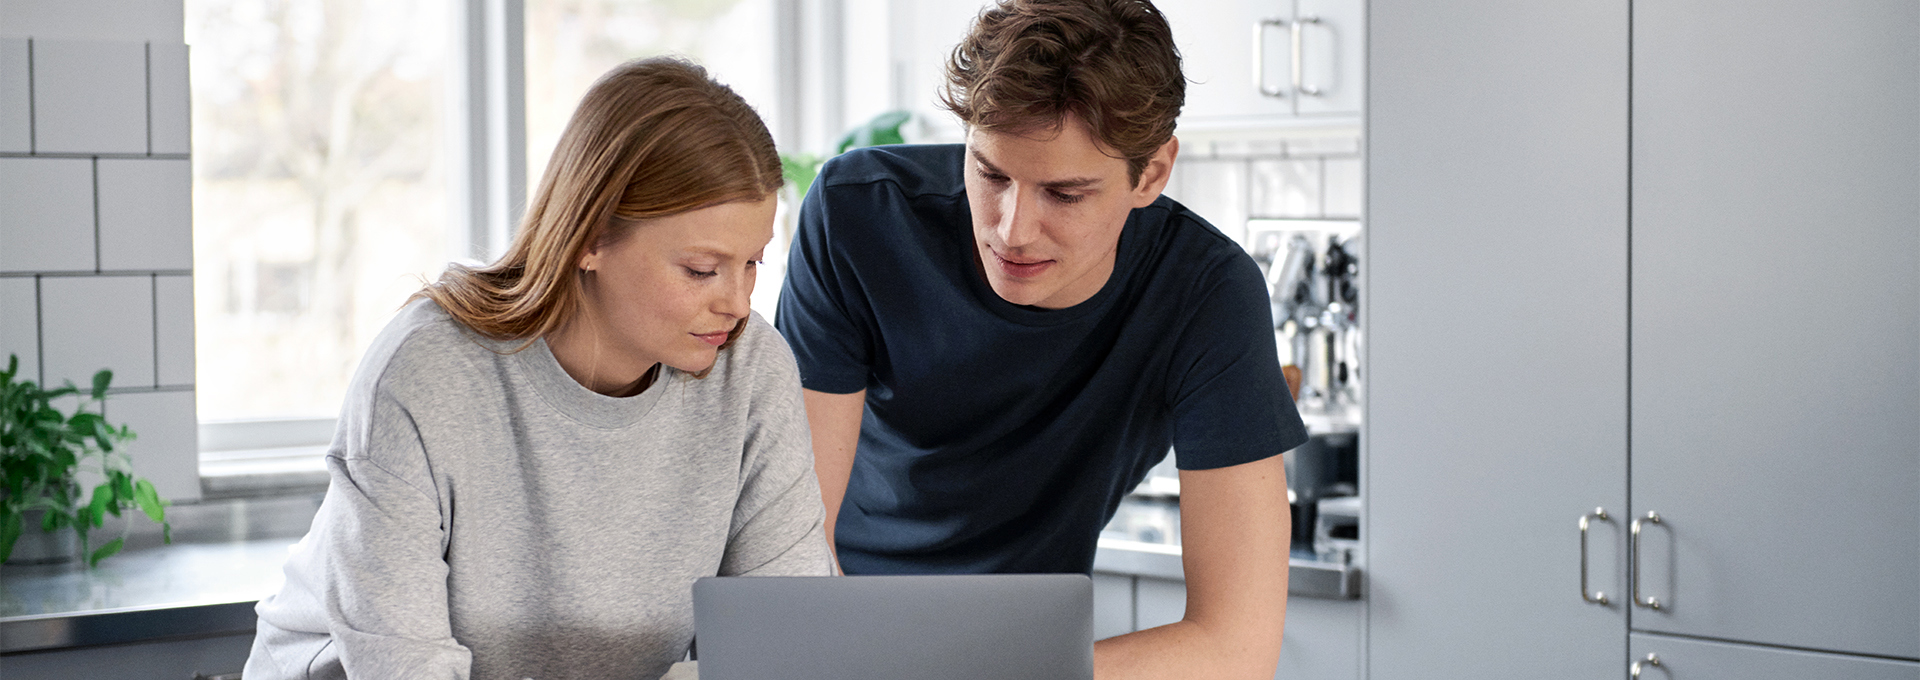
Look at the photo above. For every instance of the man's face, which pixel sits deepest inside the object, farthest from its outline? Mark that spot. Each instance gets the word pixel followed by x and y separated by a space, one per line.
pixel 1047 208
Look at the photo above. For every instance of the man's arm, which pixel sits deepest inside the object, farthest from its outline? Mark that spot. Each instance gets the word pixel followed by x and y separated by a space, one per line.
pixel 835 420
pixel 1235 533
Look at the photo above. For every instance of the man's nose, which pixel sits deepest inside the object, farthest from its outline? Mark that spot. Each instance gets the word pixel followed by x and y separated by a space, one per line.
pixel 1019 218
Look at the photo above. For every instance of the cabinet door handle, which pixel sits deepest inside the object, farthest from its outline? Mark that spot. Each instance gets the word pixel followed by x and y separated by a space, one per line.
pixel 1634 670
pixel 1593 596
pixel 1260 57
pixel 1649 602
pixel 1299 77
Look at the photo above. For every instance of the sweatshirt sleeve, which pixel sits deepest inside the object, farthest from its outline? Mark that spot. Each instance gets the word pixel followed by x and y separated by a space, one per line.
pixel 778 521
pixel 366 590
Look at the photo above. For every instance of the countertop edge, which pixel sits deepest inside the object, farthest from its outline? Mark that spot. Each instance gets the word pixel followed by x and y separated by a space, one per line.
pixel 133 624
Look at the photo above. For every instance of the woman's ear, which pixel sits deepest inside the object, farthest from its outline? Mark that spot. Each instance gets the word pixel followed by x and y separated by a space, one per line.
pixel 590 260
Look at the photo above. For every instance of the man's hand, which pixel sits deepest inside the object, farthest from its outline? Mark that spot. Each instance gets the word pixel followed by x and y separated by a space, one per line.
pixel 835 420
pixel 1235 534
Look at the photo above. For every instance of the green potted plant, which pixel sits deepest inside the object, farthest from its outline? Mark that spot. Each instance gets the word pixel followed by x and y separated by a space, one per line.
pixel 43 452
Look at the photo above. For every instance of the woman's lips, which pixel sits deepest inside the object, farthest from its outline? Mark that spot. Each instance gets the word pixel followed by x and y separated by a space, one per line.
pixel 1020 269
pixel 715 339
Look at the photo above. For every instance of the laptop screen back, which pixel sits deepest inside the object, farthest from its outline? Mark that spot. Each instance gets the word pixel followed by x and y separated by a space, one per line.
pixel 948 627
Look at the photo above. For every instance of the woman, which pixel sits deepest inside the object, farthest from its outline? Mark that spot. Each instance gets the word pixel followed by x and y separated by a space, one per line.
pixel 536 458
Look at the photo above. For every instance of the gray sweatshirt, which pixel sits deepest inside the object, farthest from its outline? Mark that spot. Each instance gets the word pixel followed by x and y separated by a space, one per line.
pixel 488 517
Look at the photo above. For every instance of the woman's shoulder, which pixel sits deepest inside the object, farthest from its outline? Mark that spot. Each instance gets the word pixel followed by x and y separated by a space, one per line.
pixel 759 354
pixel 423 345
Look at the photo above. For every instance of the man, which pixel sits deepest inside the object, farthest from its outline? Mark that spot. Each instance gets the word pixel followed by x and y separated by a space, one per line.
pixel 998 340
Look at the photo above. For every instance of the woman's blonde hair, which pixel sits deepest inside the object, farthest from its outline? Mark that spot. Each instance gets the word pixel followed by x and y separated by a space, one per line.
pixel 651 138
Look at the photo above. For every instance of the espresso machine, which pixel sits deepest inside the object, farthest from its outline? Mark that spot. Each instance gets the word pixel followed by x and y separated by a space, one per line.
pixel 1312 272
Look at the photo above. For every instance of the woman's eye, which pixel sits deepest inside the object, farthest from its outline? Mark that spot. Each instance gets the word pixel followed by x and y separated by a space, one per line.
pixel 698 274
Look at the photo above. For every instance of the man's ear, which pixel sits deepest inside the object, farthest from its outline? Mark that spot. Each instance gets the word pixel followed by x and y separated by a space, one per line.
pixel 1154 177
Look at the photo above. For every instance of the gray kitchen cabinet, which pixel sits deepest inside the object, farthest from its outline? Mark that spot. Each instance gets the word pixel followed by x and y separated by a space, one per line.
pixel 1755 185
pixel 1688 659
pixel 1497 277
pixel 1776 322
pixel 1223 44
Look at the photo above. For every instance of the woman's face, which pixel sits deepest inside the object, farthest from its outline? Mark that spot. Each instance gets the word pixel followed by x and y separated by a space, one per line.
pixel 671 289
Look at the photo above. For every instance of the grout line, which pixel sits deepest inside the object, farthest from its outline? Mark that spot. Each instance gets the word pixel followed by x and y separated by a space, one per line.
pixel 39 333
pixel 96 214
pixel 33 130
pixel 163 156
pixel 104 272
pixel 153 288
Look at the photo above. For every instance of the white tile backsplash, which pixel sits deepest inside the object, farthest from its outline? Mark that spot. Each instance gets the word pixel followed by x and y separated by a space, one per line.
pixel 1285 187
pixel 16 122
pixel 169 112
pixel 1344 187
pixel 146 214
pixel 46 215
pixel 173 326
pixel 94 322
pixel 166 449
pixel 1217 191
pixel 19 325
pixel 90 96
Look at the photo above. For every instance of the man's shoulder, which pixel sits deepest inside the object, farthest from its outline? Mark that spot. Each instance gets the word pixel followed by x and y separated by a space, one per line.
pixel 911 169
pixel 1193 251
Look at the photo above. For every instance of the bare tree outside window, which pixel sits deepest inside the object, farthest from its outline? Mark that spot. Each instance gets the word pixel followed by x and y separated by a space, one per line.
pixel 320 190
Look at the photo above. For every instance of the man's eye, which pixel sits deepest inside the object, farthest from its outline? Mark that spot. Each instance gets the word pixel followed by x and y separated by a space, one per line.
pixel 996 179
pixel 1066 197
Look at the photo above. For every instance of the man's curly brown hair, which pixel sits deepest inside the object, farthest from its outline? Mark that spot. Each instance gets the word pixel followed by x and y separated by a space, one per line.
pixel 1028 63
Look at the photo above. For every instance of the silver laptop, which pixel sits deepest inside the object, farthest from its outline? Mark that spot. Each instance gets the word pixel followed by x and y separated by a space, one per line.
pixel 961 627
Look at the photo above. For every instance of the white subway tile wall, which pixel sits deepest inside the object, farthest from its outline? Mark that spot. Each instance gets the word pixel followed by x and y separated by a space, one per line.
pixel 1230 181
pixel 170 111
pixel 1343 187
pixel 89 97
pixel 47 221
pixel 96 240
pixel 16 124
pixel 93 322
pixel 19 333
pixel 166 449
pixel 173 330
pixel 146 214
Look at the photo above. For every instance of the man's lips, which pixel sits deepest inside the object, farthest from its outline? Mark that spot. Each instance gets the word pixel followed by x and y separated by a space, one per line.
pixel 1017 268
pixel 715 339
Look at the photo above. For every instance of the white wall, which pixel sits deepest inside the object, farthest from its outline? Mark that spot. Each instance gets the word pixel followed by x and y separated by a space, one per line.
pixel 96 236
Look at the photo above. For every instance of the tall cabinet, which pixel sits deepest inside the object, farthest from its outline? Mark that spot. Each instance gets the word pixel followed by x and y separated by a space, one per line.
pixel 1659 259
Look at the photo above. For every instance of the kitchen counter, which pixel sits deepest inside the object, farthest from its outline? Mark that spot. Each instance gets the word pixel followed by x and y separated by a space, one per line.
pixel 224 558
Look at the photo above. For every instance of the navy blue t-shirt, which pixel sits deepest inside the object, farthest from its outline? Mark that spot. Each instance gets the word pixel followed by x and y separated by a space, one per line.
pixel 1000 437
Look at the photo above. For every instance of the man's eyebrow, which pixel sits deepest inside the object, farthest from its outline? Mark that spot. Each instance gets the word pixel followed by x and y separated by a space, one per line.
pixel 1071 183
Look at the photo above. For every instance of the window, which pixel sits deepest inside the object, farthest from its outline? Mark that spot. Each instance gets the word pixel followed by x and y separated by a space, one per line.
pixel 320 190
pixel 346 150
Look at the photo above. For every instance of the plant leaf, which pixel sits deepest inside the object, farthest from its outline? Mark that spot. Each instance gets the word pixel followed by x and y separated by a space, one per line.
pixel 100 382
pixel 149 501
pixel 9 532
pixel 106 551
pixel 97 506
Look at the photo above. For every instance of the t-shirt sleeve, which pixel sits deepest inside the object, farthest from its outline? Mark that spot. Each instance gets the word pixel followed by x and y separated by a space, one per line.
pixel 820 305
pixel 779 523
pixel 1229 400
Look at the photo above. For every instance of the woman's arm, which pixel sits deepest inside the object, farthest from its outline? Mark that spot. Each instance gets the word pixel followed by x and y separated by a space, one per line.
pixel 366 593
pixel 779 524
